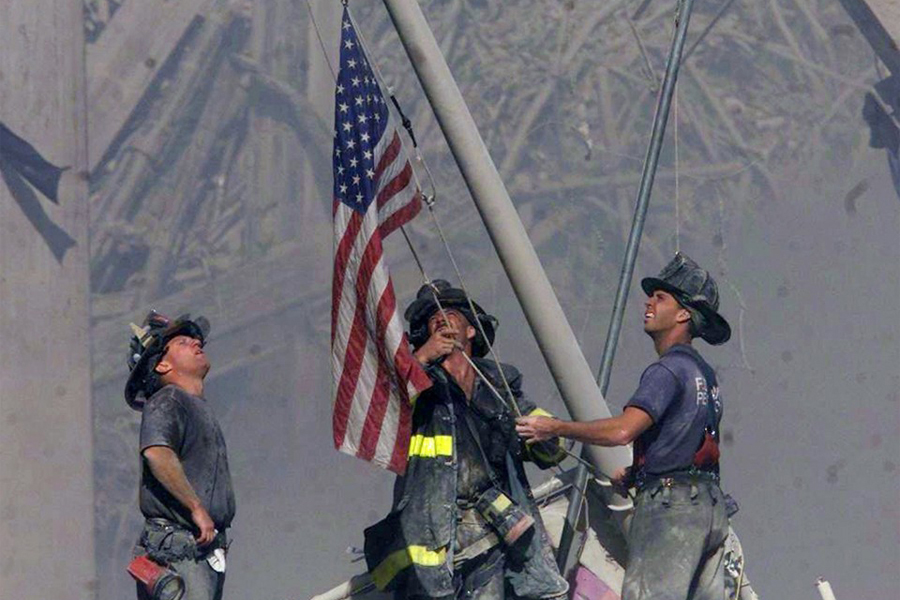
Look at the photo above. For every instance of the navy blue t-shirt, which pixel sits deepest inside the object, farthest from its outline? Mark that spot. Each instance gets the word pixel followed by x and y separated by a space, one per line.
pixel 675 393
pixel 185 423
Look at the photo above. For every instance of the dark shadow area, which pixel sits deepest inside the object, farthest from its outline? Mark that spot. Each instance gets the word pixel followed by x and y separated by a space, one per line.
pixel 55 237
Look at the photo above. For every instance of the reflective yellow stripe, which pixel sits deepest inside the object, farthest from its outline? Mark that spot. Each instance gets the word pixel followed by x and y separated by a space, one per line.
pixel 539 412
pixel 399 560
pixel 501 503
pixel 430 447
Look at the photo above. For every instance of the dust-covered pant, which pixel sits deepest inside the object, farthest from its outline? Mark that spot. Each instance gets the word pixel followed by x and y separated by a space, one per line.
pixel 676 543
pixel 177 547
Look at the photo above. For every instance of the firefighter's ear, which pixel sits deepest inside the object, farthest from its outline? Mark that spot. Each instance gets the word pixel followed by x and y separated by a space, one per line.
pixel 470 332
pixel 163 367
pixel 683 316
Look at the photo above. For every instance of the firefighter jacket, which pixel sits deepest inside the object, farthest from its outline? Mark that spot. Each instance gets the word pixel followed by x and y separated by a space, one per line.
pixel 412 549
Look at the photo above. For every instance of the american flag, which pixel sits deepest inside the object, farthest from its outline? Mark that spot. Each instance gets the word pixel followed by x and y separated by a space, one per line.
pixel 376 377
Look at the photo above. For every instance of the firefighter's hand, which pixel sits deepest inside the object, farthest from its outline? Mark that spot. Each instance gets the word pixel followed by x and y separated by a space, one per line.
pixel 205 524
pixel 441 343
pixel 621 480
pixel 536 429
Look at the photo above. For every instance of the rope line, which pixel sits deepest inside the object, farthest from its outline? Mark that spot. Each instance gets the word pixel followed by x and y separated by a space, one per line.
pixel 407 124
pixel 677 203
pixel 312 17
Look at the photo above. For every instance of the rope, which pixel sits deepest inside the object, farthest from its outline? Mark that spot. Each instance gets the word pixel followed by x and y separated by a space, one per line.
pixel 407 124
pixel 429 202
pixel 478 323
pixel 312 17
pixel 677 203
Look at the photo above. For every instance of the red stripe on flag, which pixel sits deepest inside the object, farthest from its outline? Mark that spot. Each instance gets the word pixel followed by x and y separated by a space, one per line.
pixel 409 370
pixel 381 396
pixel 341 257
pixel 402 216
pixel 396 185
pixel 356 345
pixel 390 154
pixel 368 442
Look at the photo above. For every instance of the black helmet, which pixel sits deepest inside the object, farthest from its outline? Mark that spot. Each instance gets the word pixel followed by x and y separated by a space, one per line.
pixel 696 290
pixel 425 305
pixel 147 345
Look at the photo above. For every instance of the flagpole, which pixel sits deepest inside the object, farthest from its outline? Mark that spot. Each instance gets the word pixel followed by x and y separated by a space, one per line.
pixel 545 316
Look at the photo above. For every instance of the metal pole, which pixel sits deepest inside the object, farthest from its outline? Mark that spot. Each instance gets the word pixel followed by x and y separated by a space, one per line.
pixel 555 338
pixel 657 133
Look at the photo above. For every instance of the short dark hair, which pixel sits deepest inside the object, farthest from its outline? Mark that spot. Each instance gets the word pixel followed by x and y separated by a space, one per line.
pixel 696 323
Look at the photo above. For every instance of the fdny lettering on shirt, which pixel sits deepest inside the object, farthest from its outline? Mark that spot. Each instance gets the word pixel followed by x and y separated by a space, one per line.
pixel 702 393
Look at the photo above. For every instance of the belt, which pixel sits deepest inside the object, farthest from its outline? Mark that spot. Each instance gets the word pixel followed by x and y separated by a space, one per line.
pixel 160 523
pixel 686 477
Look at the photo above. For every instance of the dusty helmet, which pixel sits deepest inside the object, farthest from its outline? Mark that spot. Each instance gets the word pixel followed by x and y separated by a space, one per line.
pixel 146 348
pixel 696 290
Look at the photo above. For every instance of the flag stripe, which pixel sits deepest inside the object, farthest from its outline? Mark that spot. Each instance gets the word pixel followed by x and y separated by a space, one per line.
pixel 374 372
pixel 353 356
pixel 379 404
pixel 395 186
pixel 390 155
pixel 341 257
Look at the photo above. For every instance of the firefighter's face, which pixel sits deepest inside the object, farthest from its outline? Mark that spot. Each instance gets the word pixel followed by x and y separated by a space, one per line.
pixel 184 355
pixel 662 313
pixel 455 324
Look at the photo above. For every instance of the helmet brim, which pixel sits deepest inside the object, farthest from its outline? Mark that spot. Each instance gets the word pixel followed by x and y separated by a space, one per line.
pixel 716 329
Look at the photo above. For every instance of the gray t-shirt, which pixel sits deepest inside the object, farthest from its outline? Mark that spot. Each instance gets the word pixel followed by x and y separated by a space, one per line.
pixel 186 424
pixel 675 392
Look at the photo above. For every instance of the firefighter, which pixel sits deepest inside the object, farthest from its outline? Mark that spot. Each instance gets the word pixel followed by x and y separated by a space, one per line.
pixel 463 523
pixel 676 541
pixel 186 495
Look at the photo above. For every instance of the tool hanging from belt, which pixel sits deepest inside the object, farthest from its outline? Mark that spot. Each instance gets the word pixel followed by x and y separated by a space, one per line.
pixel 161 582
pixel 505 516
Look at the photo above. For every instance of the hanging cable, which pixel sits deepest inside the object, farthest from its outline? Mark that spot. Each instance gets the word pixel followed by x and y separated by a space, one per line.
pixel 312 18
pixel 677 204
pixel 407 124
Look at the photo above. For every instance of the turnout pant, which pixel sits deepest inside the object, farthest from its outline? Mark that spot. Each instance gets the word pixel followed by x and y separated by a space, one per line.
pixel 676 543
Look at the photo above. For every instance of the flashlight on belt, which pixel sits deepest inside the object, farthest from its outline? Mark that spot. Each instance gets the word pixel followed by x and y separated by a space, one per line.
pixel 504 515
pixel 162 583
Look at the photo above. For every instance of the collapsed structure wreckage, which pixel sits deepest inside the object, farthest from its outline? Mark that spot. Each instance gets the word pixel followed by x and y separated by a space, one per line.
pixel 595 571
pixel 141 95
pixel 592 579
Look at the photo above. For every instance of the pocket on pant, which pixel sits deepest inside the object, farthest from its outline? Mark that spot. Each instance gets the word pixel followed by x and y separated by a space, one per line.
pixel 168 544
